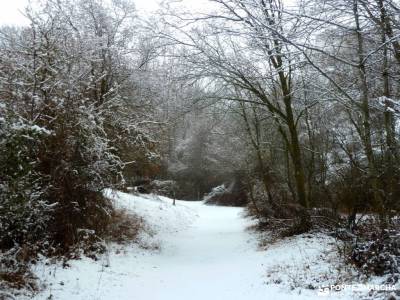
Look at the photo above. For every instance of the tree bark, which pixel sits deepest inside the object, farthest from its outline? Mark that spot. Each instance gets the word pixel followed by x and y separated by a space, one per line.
pixel 366 125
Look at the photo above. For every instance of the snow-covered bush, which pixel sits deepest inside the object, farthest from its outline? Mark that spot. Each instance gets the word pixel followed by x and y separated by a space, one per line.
pixel 72 122
pixel 165 188
pixel 216 192
pixel 279 215
pixel 79 163
pixel 232 194
pixel 376 251
pixel 24 212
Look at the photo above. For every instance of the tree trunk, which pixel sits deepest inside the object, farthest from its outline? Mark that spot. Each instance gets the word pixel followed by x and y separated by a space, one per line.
pixel 294 144
pixel 366 125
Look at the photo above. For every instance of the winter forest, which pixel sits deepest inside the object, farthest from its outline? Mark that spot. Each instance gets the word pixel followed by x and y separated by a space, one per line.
pixel 122 131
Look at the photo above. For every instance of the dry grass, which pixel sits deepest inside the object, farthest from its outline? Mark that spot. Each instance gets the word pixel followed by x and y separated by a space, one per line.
pixel 15 276
pixel 12 279
pixel 124 227
pixel 15 279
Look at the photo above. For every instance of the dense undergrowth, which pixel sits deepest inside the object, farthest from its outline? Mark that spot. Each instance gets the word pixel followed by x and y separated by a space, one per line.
pixel 364 241
pixel 70 119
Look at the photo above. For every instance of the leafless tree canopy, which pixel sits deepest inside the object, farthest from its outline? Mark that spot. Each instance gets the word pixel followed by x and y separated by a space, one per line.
pixel 292 107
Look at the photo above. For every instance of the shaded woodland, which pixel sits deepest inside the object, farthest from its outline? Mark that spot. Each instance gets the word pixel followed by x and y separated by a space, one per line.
pixel 289 108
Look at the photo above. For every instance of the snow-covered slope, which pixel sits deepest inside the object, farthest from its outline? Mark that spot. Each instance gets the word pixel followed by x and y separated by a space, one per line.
pixel 121 265
pixel 159 212
pixel 205 253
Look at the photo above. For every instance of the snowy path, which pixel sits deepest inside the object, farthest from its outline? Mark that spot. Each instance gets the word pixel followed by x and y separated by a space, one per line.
pixel 210 260
pixel 214 258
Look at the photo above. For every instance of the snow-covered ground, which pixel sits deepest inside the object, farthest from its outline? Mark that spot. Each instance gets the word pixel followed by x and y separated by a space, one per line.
pixel 198 252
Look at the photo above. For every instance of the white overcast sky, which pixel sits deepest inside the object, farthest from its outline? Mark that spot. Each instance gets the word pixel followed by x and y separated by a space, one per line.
pixel 11 10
